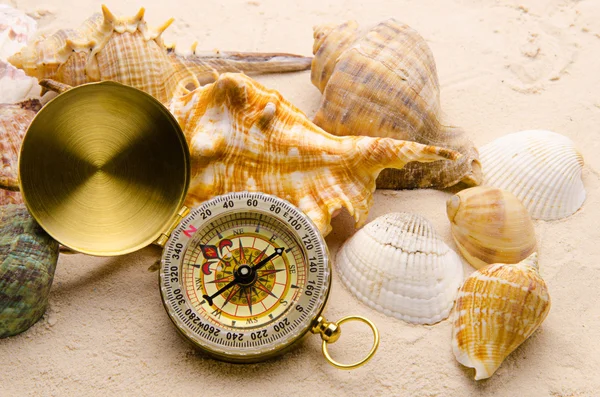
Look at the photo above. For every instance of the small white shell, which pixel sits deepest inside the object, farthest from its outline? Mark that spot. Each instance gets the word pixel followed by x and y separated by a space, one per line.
pixel 541 168
pixel 398 265
pixel 16 28
pixel 15 85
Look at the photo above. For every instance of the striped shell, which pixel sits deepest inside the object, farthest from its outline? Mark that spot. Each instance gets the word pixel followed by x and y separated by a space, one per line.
pixel 14 121
pixel 120 49
pixel 497 308
pixel 245 137
pixel 28 259
pixel 16 28
pixel 541 168
pixel 383 82
pixel 490 225
pixel 398 265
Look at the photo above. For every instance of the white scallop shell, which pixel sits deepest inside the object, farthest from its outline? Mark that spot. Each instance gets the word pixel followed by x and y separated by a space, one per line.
pixel 398 265
pixel 541 168
pixel 16 28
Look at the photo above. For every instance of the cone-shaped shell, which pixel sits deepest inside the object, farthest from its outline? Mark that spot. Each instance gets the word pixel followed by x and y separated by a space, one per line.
pixel 383 82
pixel 542 168
pixel 497 308
pixel 399 265
pixel 28 259
pixel 243 136
pixel 490 225
pixel 14 121
pixel 106 47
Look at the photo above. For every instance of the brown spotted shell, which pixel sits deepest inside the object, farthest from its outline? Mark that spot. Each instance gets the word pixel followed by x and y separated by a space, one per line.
pixel 498 307
pixel 383 82
pixel 28 257
pixel 14 121
pixel 245 137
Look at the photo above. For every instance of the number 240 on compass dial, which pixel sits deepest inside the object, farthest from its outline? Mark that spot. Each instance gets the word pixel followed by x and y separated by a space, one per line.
pixel 244 276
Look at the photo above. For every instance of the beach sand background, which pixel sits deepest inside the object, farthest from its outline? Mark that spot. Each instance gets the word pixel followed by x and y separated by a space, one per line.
pixel 504 66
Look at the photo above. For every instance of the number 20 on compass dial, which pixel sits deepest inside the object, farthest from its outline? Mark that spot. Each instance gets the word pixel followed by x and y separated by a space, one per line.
pixel 244 276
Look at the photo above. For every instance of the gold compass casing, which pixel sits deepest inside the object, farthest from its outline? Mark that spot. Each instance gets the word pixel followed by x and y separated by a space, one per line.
pixel 104 168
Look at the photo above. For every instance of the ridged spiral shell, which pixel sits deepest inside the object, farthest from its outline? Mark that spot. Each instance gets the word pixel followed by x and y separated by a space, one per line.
pixel 28 257
pixel 497 308
pixel 245 137
pixel 383 82
pixel 106 47
pixel 542 168
pixel 398 265
pixel 490 225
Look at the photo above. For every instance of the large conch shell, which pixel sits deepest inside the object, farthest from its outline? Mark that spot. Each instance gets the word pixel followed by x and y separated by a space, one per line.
pixel 490 225
pixel 14 121
pixel 542 168
pixel 383 82
pixel 243 136
pixel 398 265
pixel 127 51
pixel 28 257
pixel 497 308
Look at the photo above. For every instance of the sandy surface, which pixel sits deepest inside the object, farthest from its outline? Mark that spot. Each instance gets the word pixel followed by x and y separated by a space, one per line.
pixel 504 66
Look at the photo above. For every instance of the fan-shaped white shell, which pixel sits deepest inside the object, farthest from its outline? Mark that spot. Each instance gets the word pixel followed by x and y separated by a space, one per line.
pixel 16 28
pixel 541 168
pixel 398 265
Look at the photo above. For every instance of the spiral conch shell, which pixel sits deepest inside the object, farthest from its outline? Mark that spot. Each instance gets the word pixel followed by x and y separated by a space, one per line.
pixel 28 257
pixel 542 168
pixel 243 136
pixel 383 82
pixel 497 308
pixel 121 49
pixel 398 265
pixel 490 225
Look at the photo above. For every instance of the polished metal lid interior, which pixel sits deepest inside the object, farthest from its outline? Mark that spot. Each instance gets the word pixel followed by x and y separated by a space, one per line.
pixel 104 168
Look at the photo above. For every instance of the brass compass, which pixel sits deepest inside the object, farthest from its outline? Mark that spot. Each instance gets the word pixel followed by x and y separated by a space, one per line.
pixel 104 169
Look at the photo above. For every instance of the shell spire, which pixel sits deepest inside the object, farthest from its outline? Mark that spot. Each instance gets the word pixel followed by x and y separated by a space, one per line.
pixel 243 136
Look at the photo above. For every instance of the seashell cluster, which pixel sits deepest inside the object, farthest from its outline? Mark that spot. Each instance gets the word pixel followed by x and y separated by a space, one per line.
pixel 542 168
pixel 398 265
pixel 16 28
pixel 490 225
pixel 383 82
pixel 28 259
pixel 497 309
pixel 119 49
pixel 243 136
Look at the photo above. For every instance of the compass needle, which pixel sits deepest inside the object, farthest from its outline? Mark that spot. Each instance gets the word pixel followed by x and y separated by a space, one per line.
pixel 264 295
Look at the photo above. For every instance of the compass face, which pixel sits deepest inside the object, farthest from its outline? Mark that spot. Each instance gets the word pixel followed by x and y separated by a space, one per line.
pixel 244 276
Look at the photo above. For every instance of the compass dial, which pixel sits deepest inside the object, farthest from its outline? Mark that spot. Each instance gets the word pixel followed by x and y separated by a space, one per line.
pixel 244 276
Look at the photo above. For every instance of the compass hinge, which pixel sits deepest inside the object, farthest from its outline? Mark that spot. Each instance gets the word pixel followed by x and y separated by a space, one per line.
pixel 164 236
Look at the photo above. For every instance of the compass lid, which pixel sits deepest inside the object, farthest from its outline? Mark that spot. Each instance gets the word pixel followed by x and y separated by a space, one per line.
pixel 104 168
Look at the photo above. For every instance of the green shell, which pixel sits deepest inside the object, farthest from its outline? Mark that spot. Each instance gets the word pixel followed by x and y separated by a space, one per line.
pixel 28 257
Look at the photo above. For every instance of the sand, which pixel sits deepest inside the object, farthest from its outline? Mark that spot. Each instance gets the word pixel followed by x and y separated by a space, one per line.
pixel 504 66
